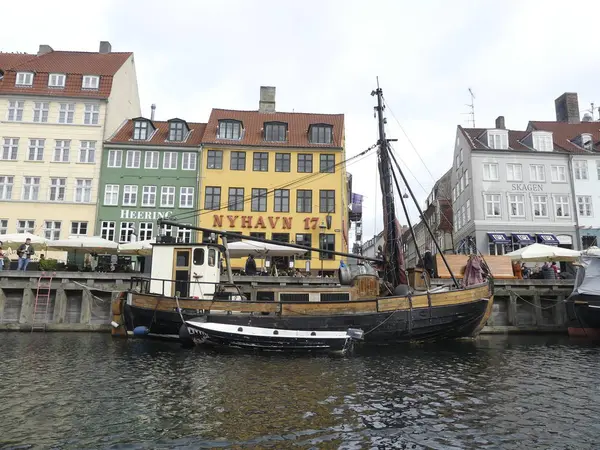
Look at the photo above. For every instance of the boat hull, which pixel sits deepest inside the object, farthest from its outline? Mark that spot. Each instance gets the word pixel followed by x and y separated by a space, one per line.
pixel 583 313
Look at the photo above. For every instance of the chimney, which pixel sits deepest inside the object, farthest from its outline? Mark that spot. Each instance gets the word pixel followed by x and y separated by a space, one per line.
pixel 500 123
pixel 267 99
pixel 567 108
pixel 44 49
pixel 105 47
pixel 153 108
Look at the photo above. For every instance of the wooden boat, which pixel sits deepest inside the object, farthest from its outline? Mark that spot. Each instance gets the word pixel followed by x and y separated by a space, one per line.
pixel 186 288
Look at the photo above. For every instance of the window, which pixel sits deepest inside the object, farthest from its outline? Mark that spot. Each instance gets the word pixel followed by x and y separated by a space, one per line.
pixel 186 197
pixel 562 206
pixel 10 149
pixel 492 205
pixel 540 205
pixel 58 187
pixel 130 193
pixel 514 172
pixel 90 82
pixel 149 196
pixel 24 79
pixel 259 235
pixel 498 139
pixel 31 188
pixel 188 161
pixel 3 226
pixel 516 205
pixel 40 112
pixel 61 151
pixel 83 190
pixel 170 160
pixel 91 115
pixel 230 129
pixel 79 228
pixel 212 197
pixel 145 230
pixel 140 130
pixel 25 226
pixel 87 152
pixel 304 200
pixel 466 177
pixel 282 200
pixel 460 154
pixel 15 110
pixel 6 187
pixel 468 210
pixel 56 80
pixel 282 162
pixel 598 169
pixel 305 163
pixel 584 205
pixel 261 162
pixel 36 150
pixel 276 132
pixel 115 158
pixel 490 172
pixel 107 230
pixel 127 229
pixel 52 230
pixel 176 131
pixel 111 194
pixel 151 160
pixel 326 201
pixel 461 184
pixel 259 199
pixel 321 134
pixel 327 242
pixel 167 196
pixel 304 239
pixel 542 142
pixel 327 164
pixel 236 199
pixel 214 159
pixel 581 170
pixel 133 159
pixel 238 161
pixel 559 174
pixel 185 235
pixel 66 113
pixel 537 172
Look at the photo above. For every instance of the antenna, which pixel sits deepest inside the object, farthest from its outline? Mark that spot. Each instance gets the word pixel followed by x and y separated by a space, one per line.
pixel 471 106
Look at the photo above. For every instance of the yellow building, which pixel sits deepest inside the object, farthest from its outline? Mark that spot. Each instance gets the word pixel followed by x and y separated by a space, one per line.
pixel 56 109
pixel 279 176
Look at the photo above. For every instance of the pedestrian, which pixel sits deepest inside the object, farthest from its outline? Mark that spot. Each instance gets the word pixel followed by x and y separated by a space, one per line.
pixel 24 252
pixel 554 267
pixel 428 264
pixel 1 257
pixel 250 268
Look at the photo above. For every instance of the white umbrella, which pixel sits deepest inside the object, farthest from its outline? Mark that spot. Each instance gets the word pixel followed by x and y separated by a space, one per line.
pixel 592 251
pixel 143 248
pixel 16 239
pixel 240 249
pixel 543 253
pixel 94 244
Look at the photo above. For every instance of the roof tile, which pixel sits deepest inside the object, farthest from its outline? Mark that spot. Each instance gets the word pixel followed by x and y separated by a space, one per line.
pixel 124 135
pixel 563 133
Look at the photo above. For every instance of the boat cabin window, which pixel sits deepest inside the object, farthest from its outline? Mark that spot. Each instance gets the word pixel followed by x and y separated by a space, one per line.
pixel 211 257
pixel 198 256
pixel 183 258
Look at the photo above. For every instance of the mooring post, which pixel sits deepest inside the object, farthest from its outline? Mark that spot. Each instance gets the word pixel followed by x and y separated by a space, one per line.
pixel 512 309
pixel 60 306
pixel 537 313
pixel 2 304
pixel 86 307
pixel 560 311
pixel 26 316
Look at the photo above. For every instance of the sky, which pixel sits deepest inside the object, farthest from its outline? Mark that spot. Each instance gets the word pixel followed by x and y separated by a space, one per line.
pixel 324 56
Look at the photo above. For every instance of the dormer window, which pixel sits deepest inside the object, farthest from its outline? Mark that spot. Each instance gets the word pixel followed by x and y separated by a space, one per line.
pixel 321 134
pixel 230 129
pixel 56 80
pixel 140 130
pixel 587 141
pixel 276 132
pixel 542 141
pixel 24 79
pixel 177 130
pixel 497 139
pixel 90 82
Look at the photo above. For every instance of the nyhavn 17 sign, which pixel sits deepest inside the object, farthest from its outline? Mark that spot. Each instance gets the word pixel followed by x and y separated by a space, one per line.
pixel 261 222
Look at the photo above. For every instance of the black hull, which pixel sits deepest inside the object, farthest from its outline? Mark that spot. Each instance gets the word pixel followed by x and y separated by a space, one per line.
pixel 160 324
pixel 583 313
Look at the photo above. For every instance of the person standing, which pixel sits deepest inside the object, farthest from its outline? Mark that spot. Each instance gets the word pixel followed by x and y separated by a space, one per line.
pixel 1 257
pixel 250 268
pixel 428 263
pixel 25 251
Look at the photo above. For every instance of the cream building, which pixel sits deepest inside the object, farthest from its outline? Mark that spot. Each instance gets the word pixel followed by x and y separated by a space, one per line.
pixel 56 109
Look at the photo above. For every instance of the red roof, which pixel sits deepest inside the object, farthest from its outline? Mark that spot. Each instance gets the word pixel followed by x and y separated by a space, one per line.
pixel 124 135
pixel 476 138
pixel 563 133
pixel 253 123
pixel 73 64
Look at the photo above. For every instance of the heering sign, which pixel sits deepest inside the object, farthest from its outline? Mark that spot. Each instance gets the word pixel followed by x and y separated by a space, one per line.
pixel 144 215
pixel 529 187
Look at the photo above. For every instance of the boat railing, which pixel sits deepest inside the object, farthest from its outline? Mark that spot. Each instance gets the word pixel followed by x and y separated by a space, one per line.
pixel 143 285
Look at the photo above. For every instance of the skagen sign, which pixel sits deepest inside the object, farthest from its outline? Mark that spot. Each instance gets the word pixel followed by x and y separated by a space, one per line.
pixel 144 215
pixel 529 187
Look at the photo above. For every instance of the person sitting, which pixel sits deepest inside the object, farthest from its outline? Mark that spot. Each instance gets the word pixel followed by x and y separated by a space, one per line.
pixel 517 271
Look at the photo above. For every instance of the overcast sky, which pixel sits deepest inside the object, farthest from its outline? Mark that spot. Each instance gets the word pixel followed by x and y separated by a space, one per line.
pixel 323 56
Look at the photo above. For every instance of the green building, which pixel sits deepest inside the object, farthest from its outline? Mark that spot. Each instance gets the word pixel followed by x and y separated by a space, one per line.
pixel 150 170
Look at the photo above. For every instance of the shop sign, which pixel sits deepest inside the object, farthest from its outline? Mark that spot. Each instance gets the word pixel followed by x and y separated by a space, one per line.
pixel 262 222
pixel 527 187
pixel 144 215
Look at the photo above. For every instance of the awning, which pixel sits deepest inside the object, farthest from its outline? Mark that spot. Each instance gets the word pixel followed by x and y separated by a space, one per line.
pixel 523 239
pixel 548 239
pixel 499 238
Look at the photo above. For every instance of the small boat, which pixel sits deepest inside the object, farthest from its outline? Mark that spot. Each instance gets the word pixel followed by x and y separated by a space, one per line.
pixel 271 339
pixel 583 305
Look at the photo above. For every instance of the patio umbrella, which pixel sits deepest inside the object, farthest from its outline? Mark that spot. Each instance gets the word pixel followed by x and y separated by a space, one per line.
pixel 544 253
pixel 94 244
pixel 240 249
pixel 16 239
pixel 142 248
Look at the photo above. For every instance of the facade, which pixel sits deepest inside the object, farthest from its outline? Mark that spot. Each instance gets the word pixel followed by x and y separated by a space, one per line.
pixel 279 176
pixel 56 109
pixel 369 248
pixel 150 170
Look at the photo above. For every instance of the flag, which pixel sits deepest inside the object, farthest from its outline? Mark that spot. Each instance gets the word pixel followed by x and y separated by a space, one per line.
pixel 357 198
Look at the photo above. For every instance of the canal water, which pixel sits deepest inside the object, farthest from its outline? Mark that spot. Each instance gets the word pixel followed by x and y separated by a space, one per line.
pixel 88 391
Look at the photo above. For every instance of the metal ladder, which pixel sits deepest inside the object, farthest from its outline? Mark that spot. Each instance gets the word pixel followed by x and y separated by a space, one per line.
pixel 42 302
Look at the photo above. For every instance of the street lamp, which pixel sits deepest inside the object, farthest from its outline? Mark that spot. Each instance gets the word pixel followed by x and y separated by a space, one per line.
pixel 323 227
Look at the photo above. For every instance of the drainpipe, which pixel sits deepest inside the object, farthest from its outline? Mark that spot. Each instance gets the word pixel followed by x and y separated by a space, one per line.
pixel 574 197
